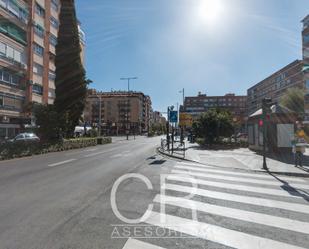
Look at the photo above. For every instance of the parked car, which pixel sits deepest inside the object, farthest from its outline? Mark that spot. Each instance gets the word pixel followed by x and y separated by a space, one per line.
pixel 25 137
pixel 242 137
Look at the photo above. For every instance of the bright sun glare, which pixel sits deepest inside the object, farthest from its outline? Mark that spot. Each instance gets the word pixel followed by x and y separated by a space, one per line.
pixel 209 11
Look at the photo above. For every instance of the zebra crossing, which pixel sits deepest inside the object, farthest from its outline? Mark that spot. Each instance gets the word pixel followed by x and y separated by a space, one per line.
pixel 234 209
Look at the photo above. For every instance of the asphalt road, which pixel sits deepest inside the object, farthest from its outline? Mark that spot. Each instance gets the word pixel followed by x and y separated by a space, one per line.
pixel 40 195
pixel 62 201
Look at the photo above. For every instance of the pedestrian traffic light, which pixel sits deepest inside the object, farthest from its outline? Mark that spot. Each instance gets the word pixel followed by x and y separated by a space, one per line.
pixel 261 123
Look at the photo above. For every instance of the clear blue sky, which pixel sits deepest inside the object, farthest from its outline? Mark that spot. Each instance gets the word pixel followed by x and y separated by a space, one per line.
pixel 212 46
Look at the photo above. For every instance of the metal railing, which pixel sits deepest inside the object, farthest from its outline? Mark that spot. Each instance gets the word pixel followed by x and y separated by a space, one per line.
pixel 175 148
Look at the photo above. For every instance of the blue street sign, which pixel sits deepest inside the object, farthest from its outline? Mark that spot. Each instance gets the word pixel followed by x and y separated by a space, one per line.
pixel 173 116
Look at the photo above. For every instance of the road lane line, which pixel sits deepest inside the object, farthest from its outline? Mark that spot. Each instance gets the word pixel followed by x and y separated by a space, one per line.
pixel 99 153
pixel 248 216
pixel 136 244
pixel 260 190
pixel 90 150
pixel 60 163
pixel 224 236
pixel 295 207
pixel 240 179
pixel 255 175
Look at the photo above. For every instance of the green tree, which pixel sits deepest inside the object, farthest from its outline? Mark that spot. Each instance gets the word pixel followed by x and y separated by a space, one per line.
pixel 294 100
pixel 71 83
pixel 47 121
pixel 212 125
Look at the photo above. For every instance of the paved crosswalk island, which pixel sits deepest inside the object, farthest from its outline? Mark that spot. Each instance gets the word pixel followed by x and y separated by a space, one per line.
pixel 226 208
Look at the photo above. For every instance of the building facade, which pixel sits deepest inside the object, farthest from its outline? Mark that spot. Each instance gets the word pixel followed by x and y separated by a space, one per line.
pixel 28 38
pixel 305 43
pixel 275 85
pixel 158 119
pixel 201 103
pixel 121 111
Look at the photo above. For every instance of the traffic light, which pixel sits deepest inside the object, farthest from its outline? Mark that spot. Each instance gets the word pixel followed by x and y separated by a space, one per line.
pixel 266 105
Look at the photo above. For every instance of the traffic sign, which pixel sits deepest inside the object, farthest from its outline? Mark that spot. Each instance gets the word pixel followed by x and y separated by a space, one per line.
pixel 185 120
pixel 173 116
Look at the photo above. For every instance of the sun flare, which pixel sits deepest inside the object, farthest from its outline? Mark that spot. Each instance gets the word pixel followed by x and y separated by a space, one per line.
pixel 209 11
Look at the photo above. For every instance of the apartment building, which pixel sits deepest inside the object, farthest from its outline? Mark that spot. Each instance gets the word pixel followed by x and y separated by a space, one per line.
pixel 305 43
pixel 121 111
pixel 275 85
pixel 236 104
pixel 28 38
pixel 158 119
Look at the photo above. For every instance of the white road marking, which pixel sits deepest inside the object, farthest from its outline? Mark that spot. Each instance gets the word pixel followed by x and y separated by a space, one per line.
pixel 99 153
pixel 60 163
pixel 240 179
pixel 295 207
pixel 255 175
pixel 136 244
pixel 90 150
pixel 215 233
pixel 263 219
pixel 116 155
pixel 261 190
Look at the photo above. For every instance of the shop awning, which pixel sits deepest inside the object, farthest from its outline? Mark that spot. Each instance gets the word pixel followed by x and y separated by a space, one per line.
pixel 305 68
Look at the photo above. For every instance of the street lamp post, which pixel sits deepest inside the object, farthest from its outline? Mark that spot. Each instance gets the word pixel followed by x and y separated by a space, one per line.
pixel 100 113
pixel 128 79
pixel 182 128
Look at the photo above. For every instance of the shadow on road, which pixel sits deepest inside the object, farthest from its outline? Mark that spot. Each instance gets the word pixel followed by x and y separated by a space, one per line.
pixel 291 190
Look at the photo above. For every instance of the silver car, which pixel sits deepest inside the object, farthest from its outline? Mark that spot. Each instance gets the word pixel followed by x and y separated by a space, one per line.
pixel 25 137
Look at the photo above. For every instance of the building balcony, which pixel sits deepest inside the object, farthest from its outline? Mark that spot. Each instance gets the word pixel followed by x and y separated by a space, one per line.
pixel 10 108
pixel 12 64
pixel 20 17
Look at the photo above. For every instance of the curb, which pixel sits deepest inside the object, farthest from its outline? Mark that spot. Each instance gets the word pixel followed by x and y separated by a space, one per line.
pixel 304 175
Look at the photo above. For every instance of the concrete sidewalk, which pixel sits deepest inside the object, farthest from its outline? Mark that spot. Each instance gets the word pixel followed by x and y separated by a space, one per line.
pixel 246 159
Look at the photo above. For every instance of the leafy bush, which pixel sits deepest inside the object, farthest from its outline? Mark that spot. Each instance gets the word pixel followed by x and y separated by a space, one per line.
pixel 20 149
pixel 151 134
pixel 93 133
pixel 104 140
pixel 213 125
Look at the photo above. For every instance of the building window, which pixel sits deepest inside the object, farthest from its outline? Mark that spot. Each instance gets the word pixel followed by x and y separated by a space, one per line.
pixel 38 89
pixel 39 30
pixel 38 49
pixel 6 77
pixel 10 52
pixel 52 75
pixel 9 78
pixel 3 3
pixel 1 101
pixel 306 39
pixel 55 5
pixel 2 49
pixel 51 93
pixel 13 31
pixel 13 8
pixel 53 40
pixel 39 10
pixel 54 22
pixel 38 69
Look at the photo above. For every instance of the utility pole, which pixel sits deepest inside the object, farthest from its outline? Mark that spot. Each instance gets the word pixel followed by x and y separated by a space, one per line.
pixel 129 79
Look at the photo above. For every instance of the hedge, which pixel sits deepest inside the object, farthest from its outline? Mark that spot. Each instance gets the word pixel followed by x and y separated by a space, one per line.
pixel 11 150
pixel 222 144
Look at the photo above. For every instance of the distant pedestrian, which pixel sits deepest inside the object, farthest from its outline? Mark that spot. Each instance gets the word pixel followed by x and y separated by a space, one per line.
pixel 299 148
